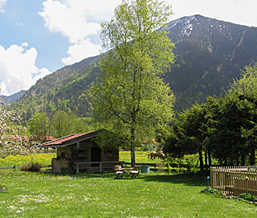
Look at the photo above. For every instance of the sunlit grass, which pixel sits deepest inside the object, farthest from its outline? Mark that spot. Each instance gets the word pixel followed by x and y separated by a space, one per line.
pixel 45 158
pixel 141 157
pixel 152 195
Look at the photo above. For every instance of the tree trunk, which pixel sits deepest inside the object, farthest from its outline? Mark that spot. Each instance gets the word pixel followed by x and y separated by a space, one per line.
pixel 242 159
pixel 252 157
pixel 205 159
pixel 252 153
pixel 132 151
pixel 201 159
pixel 133 160
pixel 209 157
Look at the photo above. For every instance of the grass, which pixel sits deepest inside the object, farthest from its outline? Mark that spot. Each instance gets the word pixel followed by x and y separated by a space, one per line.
pixel 84 195
pixel 44 194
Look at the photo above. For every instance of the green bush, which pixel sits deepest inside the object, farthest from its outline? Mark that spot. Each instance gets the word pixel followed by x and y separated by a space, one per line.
pixel 248 196
pixel 212 191
pixel 31 166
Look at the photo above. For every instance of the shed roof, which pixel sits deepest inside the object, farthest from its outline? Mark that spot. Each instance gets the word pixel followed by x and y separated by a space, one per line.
pixel 70 139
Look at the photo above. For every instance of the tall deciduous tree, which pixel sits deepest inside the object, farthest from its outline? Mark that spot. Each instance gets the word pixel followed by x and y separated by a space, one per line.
pixel 131 99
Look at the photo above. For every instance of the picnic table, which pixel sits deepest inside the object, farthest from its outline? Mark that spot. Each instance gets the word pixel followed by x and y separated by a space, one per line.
pixel 129 172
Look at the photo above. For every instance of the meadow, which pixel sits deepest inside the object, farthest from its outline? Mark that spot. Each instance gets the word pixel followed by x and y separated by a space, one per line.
pixel 44 194
pixel 100 195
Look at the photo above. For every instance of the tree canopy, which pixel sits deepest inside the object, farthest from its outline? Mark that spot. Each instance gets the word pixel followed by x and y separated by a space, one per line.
pixel 60 124
pixel 130 98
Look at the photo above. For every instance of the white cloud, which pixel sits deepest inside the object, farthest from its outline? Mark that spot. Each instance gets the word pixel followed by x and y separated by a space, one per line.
pixel 79 51
pixel 235 11
pixel 78 20
pixel 94 10
pixel 2 4
pixel 68 21
pixel 17 68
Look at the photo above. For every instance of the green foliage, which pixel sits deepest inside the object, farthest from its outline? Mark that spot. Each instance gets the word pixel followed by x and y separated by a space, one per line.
pixel 247 196
pixel 212 191
pixel 60 124
pixel 31 167
pixel 39 125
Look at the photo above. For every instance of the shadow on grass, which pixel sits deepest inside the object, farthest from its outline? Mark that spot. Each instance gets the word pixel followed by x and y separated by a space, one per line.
pixel 190 179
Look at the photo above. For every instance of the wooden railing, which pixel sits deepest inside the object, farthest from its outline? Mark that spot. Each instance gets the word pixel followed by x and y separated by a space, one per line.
pixel 90 165
pixel 234 180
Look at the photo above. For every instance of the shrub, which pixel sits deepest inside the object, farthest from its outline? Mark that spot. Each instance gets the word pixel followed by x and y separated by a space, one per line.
pixel 212 191
pixel 248 197
pixel 32 167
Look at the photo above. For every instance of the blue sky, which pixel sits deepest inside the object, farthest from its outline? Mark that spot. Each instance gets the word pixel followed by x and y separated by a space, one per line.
pixel 39 37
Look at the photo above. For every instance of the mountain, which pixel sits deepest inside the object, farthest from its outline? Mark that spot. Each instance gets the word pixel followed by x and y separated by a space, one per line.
pixel 12 98
pixel 209 54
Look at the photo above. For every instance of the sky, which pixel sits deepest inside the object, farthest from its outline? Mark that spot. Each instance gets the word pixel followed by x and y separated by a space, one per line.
pixel 39 37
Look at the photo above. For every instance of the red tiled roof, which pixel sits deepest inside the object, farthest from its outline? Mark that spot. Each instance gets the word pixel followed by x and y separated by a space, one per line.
pixel 60 141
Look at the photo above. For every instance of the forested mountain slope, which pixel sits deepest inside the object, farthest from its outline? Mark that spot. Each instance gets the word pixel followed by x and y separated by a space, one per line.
pixel 209 54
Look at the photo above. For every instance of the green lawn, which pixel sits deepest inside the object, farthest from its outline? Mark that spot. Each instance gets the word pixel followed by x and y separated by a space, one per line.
pixel 152 195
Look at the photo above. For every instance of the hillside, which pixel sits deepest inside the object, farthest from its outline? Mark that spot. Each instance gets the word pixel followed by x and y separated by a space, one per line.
pixel 209 54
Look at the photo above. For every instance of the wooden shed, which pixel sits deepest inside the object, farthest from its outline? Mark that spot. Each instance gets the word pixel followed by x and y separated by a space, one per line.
pixel 80 153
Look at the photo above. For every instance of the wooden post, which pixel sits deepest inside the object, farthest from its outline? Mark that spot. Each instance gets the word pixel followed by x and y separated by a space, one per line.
pixel 101 167
pixel 77 166
pixel 246 183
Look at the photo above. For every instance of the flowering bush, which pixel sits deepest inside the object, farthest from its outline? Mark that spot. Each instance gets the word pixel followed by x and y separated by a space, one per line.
pixel 13 136
pixel 2 188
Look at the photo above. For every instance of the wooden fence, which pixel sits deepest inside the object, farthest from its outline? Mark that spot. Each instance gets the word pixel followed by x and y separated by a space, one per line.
pixel 234 180
pixel 153 166
pixel 17 167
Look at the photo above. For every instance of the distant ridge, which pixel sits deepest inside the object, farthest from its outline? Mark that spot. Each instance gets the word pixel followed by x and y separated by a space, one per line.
pixel 12 98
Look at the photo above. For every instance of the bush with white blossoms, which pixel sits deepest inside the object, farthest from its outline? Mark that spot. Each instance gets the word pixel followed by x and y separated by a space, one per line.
pixel 13 138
